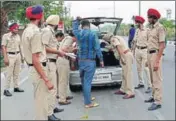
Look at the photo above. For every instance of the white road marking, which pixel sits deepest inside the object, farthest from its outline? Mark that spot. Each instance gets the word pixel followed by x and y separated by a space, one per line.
pixel 11 89
pixel 157 114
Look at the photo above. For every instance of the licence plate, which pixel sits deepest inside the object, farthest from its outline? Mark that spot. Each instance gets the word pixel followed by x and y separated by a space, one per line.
pixel 102 77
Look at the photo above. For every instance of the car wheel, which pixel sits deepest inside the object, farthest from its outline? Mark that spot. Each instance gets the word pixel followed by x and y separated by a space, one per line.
pixel 73 88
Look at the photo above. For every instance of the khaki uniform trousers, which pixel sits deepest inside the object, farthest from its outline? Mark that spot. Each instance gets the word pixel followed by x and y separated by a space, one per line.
pixel 127 75
pixel 52 76
pixel 41 94
pixel 156 78
pixel 63 67
pixel 141 59
pixel 13 70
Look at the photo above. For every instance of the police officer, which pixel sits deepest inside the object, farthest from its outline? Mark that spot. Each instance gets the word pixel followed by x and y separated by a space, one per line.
pixel 50 42
pixel 35 57
pixel 63 66
pixel 126 59
pixel 140 48
pixel 156 45
pixel 11 45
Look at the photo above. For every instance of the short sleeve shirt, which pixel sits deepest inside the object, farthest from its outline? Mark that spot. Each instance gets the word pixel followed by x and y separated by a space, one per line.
pixel 119 41
pixel 156 34
pixel 67 42
pixel 12 42
pixel 141 37
pixel 48 38
pixel 32 43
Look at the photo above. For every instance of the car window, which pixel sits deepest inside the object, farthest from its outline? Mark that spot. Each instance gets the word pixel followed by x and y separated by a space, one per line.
pixel 107 27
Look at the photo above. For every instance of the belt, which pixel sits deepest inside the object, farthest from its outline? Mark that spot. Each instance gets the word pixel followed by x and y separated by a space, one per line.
pixel 52 60
pixel 126 51
pixel 152 51
pixel 13 53
pixel 43 63
pixel 139 47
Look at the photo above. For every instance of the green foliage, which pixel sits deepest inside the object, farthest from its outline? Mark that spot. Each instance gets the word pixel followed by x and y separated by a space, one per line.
pixel 170 27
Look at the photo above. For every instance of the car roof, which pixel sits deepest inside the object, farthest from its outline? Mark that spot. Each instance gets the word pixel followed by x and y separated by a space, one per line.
pixel 102 18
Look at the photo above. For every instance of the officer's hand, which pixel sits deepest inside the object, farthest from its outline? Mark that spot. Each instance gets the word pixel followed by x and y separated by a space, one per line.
pixel 102 64
pixel 62 53
pixel 6 61
pixel 49 85
pixel 156 65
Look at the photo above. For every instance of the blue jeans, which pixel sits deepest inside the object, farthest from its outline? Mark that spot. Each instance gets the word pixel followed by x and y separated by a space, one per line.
pixel 87 71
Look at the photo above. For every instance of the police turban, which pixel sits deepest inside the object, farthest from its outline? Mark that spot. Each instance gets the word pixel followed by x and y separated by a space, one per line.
pixel 53 20
pixel 107 37
pixel 34 12
pixel 139 19
pixel 153 12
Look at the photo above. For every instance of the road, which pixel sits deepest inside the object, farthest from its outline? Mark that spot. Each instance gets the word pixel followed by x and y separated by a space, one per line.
pixel 112 107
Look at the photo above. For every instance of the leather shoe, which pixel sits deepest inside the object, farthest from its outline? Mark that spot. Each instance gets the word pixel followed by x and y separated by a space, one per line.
pixel 57 110
pixel 139 86
pixel 18 90
pixel 119 92
pixel 150 100
pixel 7 93
pixel 53 118
pixel 69 97
pixel 65 103
pixel 128 96
pixel 154 106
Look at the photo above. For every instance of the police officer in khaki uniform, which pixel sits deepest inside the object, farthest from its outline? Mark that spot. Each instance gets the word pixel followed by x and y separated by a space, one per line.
pixel 63 66
pixel 50 42
pixel 156 45
pixel 140 50
pixel 126 59
pixel 35 57
pixel 12 51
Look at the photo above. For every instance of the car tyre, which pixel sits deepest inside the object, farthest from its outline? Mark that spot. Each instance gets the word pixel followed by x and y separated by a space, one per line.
pixel 73 88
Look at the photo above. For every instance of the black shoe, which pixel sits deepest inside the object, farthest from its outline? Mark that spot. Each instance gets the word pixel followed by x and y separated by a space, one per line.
pixel 53 118
pixel 149 90
pixel 154 106
pixel 139 86
pixel 57 110
pixel 150 100
pixel 18 90
pixel 7 93
pixel 69 97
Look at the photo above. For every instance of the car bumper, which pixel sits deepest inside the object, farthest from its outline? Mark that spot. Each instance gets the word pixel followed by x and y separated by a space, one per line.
pixel 115 77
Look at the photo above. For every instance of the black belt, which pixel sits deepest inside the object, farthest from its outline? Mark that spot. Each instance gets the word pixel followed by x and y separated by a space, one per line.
pixel 52 60
pixel 141 47
pixel 152 51
pixel 13 53
pixel 43 63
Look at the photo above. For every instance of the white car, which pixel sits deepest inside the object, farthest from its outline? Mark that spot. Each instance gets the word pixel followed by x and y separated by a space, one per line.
pixel 111 73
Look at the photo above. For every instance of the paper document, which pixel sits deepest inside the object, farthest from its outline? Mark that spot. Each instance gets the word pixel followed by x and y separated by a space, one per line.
pixel 71 55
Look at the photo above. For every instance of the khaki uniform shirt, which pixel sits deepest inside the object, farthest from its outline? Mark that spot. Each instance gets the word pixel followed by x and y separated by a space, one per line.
pixel 156 34
pixel 141 37
pixel 67 42
pixel 12 42
pixel 32 43
pixel 48 38
pixel 119 41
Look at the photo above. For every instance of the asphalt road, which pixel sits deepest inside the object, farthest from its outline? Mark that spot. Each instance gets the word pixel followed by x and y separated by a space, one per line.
pixel 112 107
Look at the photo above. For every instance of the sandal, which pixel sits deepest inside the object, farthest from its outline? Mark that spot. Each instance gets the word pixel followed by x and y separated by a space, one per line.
pixel 93 98
pixel 92 105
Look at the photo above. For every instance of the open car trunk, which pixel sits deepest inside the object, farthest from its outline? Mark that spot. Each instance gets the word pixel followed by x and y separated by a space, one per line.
pixel 109 59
